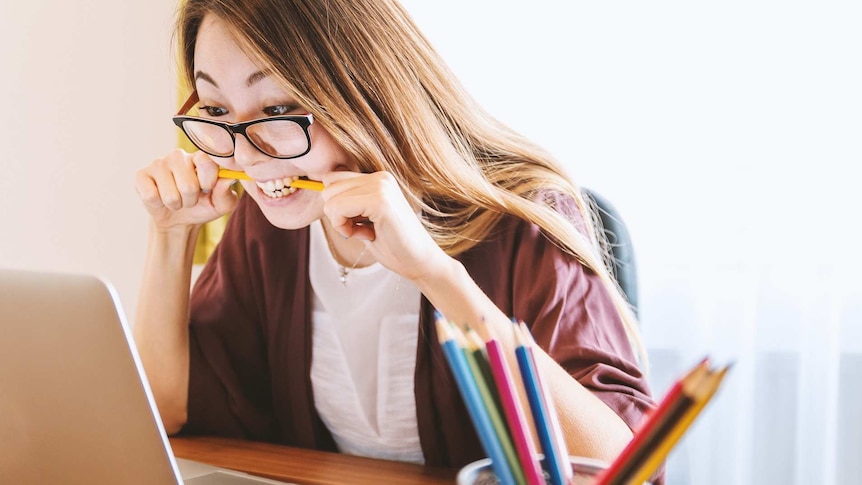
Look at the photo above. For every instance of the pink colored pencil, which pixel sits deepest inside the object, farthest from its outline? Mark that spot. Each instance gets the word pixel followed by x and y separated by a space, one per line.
pixel 514 413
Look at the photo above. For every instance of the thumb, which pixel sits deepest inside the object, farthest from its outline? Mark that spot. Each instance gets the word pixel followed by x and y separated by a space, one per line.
pixel 224 199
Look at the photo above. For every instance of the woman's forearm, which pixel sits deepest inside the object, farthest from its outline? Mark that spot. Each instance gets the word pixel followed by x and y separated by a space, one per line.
pixel 161 322
pixel 592 429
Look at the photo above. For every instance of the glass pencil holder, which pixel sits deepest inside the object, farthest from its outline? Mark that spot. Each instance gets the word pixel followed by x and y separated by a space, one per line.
pixel 480 472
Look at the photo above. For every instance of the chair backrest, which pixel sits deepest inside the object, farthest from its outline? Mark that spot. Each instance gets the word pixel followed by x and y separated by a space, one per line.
pixel 623 268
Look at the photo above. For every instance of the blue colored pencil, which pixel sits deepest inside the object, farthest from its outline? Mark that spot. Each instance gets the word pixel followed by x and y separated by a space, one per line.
pixel 544 415
pixel 475 406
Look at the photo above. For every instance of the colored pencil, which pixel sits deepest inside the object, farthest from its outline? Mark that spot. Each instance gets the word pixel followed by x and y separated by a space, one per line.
pixel 702 395
pixel 664 426
pixel 307 184
pixel 472 398
pixel 548 429
pixel 299 183
pixel 473 348
pixel 671 408
pixel 476 346
pixel 224 173
pixel 514 412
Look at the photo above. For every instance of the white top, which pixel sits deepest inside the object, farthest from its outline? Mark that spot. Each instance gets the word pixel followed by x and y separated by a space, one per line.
pixel 364 356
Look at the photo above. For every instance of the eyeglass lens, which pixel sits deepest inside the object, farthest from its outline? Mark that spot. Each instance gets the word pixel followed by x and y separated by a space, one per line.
pixel 276 138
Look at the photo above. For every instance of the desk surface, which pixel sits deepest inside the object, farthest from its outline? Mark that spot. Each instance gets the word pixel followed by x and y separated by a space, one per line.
pixel 306 467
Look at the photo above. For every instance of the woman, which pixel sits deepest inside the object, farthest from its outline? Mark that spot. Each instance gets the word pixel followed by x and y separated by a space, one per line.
pixel 312 323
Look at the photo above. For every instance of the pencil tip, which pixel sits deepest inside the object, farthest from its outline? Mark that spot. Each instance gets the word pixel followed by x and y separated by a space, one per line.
pixel 438 315
pixel 443 325
pixel 525 332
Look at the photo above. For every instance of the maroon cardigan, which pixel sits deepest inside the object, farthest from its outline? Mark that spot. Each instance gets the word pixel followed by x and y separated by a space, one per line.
pixel 250 337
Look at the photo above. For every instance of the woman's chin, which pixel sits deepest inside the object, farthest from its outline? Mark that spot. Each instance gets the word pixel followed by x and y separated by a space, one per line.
pixel 294 211
pixel 288 221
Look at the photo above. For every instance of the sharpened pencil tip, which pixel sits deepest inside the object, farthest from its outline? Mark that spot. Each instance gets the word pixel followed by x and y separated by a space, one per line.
pixel 444 330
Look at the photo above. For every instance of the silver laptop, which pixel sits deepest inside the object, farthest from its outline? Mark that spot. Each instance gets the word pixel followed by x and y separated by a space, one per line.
pixel 75 405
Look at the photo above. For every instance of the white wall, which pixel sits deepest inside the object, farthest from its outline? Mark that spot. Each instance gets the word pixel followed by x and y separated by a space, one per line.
pixel 707 124
pixel 87 94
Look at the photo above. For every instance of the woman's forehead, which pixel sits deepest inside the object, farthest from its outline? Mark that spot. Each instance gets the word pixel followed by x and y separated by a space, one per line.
pixel 220 57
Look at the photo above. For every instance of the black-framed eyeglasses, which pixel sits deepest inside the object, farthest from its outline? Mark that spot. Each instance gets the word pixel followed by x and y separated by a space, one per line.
pixel 275 136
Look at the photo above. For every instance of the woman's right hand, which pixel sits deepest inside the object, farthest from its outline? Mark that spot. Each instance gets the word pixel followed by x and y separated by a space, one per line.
pixel 183 189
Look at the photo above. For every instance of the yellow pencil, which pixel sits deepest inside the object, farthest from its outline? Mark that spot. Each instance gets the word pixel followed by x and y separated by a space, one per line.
pixel 299 183
pixel 307 184
pixel 224 173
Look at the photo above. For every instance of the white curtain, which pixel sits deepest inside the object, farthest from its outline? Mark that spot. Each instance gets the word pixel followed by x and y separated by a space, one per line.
pixel 790 411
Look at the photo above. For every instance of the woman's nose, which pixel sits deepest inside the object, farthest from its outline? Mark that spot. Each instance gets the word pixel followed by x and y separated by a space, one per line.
pixel 246 154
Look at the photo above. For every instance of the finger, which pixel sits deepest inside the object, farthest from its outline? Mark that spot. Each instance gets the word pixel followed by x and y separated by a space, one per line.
pixel 359 227
pixel 338 182
pixel 186 181
pixel 345 211
pixel 147 190
pixel 207 171
pixel 342 225
pixel 166 186
pixel 363 230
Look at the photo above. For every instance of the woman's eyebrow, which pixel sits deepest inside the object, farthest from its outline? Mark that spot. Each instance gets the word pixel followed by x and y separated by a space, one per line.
pixel 205 77
pixel 256 77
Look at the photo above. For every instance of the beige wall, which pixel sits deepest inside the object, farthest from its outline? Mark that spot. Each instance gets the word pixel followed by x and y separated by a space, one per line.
pixel 86 91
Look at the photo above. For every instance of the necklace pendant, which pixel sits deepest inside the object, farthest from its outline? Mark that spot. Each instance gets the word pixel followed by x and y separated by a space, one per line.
pixel 343 277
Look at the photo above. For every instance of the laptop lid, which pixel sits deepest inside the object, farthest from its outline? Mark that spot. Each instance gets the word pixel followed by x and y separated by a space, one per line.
pixel 75 406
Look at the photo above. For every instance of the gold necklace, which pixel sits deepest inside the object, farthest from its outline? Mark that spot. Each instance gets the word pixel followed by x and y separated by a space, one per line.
pixel 342 270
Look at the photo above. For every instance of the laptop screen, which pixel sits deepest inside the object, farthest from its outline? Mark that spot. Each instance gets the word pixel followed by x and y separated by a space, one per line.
pixel 75 406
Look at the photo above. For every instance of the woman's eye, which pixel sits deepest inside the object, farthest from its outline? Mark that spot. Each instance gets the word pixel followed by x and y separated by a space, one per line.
pixel 213 111
pixel 279 110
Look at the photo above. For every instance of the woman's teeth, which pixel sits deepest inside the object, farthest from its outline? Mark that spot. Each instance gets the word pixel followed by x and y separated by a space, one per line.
pixel 278 188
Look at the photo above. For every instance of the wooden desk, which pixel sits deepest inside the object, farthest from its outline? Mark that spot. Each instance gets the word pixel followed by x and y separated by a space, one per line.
pixel 306 467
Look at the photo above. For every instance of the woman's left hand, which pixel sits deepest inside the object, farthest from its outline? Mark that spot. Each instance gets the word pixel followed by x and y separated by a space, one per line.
pixel 397 238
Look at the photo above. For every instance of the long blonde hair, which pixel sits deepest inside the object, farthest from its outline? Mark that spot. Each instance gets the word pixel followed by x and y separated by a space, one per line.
pixel 373 81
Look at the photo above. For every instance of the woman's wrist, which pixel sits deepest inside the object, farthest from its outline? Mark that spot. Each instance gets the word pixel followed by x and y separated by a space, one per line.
pixel 441 272
pixel 177 232
pixel 452 291
pixel 170 240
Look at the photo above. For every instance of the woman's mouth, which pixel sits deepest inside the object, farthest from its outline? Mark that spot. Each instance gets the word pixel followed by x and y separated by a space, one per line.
pixel 278 188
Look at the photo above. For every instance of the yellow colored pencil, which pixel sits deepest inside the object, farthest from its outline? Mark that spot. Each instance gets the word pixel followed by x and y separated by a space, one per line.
pixel 224 173
pixel 299 183
pixel 307 184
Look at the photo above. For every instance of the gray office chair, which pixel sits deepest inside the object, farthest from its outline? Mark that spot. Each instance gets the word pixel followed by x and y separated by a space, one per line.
pixel 623 268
